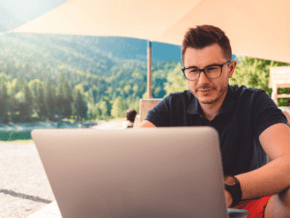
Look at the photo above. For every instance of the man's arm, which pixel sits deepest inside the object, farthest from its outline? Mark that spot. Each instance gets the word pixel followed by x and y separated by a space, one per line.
pixel 274 177
pixel 146 124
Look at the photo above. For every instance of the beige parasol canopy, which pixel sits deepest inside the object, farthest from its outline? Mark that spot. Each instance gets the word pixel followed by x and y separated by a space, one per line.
pixel 256 28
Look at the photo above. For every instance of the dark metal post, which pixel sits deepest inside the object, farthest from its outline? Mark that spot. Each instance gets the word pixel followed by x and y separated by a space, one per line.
pixel 149 64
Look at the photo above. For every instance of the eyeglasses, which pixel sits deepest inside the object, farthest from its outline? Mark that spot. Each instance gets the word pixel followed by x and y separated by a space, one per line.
pixel 211 71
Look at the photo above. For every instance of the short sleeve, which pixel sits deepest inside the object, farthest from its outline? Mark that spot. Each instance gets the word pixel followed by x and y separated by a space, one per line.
pixel 159 115
pixel 266 113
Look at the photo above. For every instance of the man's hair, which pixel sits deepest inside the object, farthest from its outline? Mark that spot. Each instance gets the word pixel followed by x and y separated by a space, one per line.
pixel 131 114
pixel 206 35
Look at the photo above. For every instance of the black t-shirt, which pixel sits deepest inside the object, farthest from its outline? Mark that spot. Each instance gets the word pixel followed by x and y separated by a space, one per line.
pixel 244 115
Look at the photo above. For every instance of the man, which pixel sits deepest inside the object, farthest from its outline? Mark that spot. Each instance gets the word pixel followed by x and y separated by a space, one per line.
pixel 249 124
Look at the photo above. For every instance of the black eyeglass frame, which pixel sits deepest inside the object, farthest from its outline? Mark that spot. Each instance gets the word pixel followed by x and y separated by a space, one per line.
pixel 202 70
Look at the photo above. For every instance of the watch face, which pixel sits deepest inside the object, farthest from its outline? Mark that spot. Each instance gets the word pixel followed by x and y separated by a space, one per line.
pixel 230 180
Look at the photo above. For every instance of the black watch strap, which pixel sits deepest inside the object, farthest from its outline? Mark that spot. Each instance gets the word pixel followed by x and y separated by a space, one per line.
pixel 235 191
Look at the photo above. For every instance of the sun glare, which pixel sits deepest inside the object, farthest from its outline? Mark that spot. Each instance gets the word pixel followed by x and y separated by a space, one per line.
pixel 28 8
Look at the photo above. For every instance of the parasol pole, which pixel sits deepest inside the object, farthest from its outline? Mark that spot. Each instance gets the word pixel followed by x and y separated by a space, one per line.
pixel 149 64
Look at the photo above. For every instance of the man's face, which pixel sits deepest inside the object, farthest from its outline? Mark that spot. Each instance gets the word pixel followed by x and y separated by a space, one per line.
pixel 208 91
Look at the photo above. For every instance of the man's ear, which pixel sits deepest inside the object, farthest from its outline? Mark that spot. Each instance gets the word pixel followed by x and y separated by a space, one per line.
pixel 233 65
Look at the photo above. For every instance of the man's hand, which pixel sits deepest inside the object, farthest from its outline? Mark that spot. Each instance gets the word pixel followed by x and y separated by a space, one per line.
pixel 229 199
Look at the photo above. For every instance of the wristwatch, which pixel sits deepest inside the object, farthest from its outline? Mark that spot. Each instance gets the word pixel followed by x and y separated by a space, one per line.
pixel 232 185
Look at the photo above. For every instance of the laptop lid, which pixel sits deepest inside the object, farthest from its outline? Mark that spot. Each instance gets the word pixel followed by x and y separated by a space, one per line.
pixel 160 172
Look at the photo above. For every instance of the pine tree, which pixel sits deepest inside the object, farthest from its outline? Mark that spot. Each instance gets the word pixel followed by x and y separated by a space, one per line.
pixel 56 114
pixel 176 81
pixel 11 69
pixel 91 104
pixel 49 99
pixel 119 108
pixel 64 97
pixel 102 109
pixel 13 106
pixel 34 89
pixel 60 94
pixel 43 109
pixel 20 82
pixel 68 99
pixel 81 107
pixel 26 103
pixel 3 101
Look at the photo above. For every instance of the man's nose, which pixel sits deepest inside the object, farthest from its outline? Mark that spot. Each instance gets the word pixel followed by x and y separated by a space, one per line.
pixel 202 78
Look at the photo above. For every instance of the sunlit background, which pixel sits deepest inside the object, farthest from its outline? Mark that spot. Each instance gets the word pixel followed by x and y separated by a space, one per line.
pixel 65 81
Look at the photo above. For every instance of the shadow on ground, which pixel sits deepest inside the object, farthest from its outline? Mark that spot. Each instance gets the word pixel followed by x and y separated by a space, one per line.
pixel 24 196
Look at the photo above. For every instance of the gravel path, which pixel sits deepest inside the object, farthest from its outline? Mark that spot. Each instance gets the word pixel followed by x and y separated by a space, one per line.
pixel 24 187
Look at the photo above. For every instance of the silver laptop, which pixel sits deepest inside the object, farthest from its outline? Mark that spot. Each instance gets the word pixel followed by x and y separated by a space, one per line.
pixel 160 172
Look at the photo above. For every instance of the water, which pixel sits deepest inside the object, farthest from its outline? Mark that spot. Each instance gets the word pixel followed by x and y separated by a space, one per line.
pixel 21 131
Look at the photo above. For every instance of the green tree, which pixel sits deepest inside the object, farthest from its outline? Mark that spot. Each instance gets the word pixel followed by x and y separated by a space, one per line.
pixel 119 108
pixel 20 82
pixel 254 73
pixel 42 106
pixel 49 99
pixel 135 104
pixel 13 104
pixel 159 78
pixel 64 97
pixel 26 100
pixel 11 69
pixel 91 104
pixel 33 85
pixel 68 99
pixel 3 102
pixel 56 116
pixel 108 105
pixel 81 107
pixel 102 108
pixel 139 77
pixel 77 88
pixel 176 82
pixel 4 76
pixel 128 91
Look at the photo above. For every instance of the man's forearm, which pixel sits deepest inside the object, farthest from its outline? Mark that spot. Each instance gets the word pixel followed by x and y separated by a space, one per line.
pixel 270 179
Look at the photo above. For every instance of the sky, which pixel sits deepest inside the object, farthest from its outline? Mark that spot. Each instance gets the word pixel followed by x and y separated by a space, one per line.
pixel 30 9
